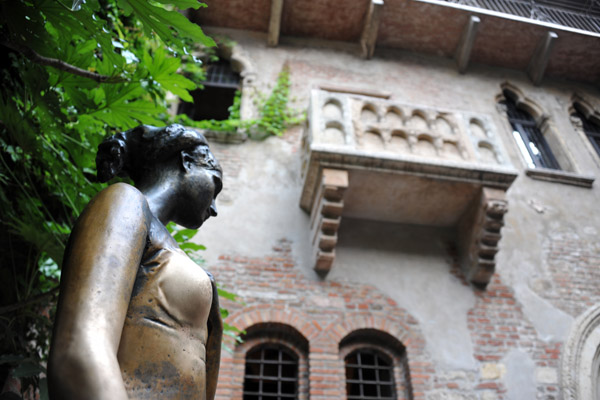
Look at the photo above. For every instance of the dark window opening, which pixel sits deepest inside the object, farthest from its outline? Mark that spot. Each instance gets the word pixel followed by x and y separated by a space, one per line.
pixel 530 139
pixel 591 129
pixel 369 375
pixel 214 100
pixel 271 373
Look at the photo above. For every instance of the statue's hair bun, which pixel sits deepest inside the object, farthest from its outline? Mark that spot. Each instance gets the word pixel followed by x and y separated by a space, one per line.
pixel 112 157
pixel 131 152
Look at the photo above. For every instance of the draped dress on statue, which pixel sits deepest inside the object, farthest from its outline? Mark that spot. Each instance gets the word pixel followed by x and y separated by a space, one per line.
pixel 162 353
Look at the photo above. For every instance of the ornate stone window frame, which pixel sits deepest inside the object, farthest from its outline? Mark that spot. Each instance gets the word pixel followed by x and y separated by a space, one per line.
pixel 568 173
pixel 591 113
pixel 580 367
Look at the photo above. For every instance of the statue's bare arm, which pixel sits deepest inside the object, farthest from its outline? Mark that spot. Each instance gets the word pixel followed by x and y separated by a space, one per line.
pixel 213 344
pixel 99 270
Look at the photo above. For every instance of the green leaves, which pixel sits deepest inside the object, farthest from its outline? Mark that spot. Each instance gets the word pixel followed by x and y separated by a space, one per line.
pixel 163 22
pixel 163 70
pixel 52 121
pixel 228 295
pixel 183 4
pixel 230 330
pixel 127 115
pixel 191 247
pixel 27 369
pixel 76 5
pixel 275 114
pixel 183 235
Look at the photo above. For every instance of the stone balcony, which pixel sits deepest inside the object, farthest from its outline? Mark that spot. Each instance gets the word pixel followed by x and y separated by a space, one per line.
pixel 372 158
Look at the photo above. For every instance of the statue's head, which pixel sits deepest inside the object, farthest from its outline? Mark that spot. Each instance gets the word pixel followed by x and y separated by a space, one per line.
pixel 172 157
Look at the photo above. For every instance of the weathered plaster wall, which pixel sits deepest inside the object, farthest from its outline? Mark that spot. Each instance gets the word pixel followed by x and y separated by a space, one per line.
pixel 504 342
pixel 411 265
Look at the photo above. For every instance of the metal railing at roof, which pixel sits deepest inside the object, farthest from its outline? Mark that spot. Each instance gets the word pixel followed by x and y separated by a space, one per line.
pixel 578 14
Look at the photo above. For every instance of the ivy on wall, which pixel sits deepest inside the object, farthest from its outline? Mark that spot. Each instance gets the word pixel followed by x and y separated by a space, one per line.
pixel 274 113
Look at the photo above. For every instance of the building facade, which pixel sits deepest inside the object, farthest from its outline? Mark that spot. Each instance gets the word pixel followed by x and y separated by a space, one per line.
pixel 429 231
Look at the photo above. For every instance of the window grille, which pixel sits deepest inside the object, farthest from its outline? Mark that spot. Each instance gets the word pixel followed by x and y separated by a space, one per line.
pixel 218 95
pixel 529 138
pixel 369 376
pixel 271 373
pixel 591 129
pixel 220 74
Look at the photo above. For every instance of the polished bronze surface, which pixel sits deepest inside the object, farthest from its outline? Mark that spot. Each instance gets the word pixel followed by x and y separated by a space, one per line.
pixel 136 318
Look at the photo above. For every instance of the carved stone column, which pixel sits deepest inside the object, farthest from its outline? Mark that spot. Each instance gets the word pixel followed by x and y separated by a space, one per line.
pixel 479 232
pixel 326 217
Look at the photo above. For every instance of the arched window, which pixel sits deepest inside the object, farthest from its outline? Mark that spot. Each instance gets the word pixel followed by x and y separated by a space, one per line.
pixel 591 128
pixel 271 373
pixel 369 375
pixel 214 101
pixel 529 137
pixel 376 366
pixel 273 359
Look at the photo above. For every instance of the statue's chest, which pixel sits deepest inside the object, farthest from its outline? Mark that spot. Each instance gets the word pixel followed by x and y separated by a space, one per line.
pixel 170 289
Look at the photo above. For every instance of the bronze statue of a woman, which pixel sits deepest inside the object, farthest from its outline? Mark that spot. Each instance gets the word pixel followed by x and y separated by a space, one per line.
pixel 136 318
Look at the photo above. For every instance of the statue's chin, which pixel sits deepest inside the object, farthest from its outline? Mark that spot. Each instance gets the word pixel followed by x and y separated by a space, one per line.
pixel 196 224
pixel 191 222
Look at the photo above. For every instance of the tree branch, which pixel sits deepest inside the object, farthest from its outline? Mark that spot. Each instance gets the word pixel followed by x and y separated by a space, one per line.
pixel 59 64
pixel 27 302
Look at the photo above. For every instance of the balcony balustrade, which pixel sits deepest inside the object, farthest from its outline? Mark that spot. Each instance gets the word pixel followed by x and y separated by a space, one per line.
pixel 376 159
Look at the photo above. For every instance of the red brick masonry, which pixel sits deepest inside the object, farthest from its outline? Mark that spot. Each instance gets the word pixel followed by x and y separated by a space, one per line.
pixel 323 313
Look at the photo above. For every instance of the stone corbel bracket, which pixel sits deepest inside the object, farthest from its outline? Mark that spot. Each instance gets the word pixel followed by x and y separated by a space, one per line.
pixel 480 231
pixel 326 216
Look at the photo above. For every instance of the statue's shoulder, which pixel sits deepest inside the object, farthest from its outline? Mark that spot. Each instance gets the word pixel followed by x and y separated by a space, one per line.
pixel 125 202
pixel 118 214
pixel 123 191
pixel 120 198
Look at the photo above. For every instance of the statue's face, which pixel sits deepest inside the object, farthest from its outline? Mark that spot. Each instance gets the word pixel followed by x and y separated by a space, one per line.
pixel 199 189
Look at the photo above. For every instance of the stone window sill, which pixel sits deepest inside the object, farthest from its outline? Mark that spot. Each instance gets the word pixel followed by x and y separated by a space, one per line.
pixel 224 136
pixel 568 178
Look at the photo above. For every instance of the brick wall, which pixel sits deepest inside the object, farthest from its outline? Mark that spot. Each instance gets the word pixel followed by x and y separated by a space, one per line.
pixel 498 325
pixel 324 313
pixel 274 291
pixel 574 274
pixel 232 378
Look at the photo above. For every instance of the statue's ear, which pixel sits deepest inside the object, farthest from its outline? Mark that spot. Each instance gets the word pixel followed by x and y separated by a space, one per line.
pixel 187 160
pixel 110 159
